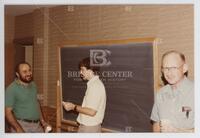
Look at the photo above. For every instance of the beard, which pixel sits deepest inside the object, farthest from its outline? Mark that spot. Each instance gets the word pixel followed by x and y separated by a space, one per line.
pixel 83 78
pixel 26 79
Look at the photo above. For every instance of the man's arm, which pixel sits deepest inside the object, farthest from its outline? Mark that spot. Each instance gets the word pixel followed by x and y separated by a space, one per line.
pixel 84 110
pixel 156 127
pixel 168 127
pixel 12 121
pixel 42 120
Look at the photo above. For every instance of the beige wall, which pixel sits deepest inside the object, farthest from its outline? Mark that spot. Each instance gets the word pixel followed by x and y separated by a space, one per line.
pixel 9 49
pixel 24 26
pixel 9 29
pixel 173 24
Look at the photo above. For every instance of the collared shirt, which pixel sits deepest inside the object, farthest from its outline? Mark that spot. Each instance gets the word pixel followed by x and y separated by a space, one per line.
pixel 95 98
pixel 172 104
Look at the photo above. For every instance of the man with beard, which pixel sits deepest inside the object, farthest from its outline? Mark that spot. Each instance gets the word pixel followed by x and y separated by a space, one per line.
pixel 22 109
pixel 173 110
pixel 92 110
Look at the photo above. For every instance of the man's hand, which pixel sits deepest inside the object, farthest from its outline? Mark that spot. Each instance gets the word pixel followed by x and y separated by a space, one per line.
pixel 19 130
pixel 68 106
pixel 12 121
pixel 166 126
pixel 169 128
pixel 45 125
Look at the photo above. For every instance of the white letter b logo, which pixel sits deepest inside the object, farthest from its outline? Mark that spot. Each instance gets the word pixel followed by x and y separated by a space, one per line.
pixel 98 57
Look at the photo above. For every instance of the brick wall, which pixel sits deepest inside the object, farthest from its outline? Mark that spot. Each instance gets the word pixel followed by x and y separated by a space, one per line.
pixel 57 26
pixel 173 24
pixel 38 55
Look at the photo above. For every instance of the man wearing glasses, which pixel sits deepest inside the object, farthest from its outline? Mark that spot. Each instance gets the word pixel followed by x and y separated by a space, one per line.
pixel 173 109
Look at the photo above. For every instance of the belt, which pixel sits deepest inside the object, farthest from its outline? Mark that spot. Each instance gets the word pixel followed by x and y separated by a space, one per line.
pixel 29 121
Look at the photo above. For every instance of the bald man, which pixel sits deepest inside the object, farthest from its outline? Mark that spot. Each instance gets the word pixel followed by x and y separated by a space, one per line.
pixel 173 109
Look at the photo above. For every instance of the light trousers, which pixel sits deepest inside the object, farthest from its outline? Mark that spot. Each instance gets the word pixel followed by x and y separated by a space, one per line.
pixel 89 129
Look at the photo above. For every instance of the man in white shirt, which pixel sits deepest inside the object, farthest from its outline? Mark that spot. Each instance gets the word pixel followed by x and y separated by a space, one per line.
pixel 92 110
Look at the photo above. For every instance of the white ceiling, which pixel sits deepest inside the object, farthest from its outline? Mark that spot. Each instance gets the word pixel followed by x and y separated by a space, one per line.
pixel 16 10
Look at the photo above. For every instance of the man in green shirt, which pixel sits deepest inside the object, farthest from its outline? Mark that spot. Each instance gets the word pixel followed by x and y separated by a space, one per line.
pixel 22 108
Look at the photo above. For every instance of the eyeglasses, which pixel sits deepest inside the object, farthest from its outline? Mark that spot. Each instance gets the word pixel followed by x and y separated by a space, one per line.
pixel 173 69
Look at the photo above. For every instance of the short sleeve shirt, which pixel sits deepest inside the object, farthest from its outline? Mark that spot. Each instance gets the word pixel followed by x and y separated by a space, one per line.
pixel 95 98
pixel 173 105
pixel 23 100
